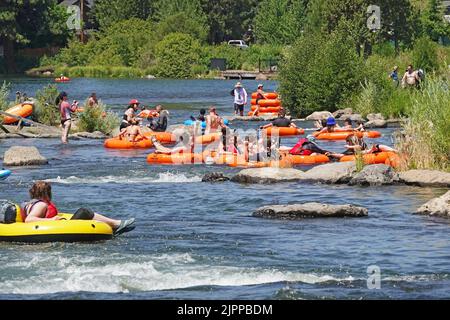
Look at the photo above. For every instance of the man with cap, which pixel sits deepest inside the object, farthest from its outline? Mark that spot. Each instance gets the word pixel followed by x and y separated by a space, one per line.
pixel 240 99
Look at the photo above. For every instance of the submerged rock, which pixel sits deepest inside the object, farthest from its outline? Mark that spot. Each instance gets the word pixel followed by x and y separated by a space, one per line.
pixel 310 210
pixel 339 172
pixel 376 124
pixel 319 115
pixel 23 156
pixel 437 207
pixel 215 177
pixel 375 175
pixel 425 178
pixel 90 135
pixel 267 175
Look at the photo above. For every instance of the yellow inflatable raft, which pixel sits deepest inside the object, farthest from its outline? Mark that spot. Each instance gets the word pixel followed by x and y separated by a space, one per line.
pixel 56 231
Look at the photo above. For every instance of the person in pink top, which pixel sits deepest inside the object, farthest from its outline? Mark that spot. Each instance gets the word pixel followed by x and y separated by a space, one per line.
pixel 65 109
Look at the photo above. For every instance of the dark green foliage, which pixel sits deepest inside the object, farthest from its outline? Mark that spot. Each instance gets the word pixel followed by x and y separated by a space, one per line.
pixel 320 73
pixel 425 55
pixel 176 55
pixel 45 109
pixel 280 21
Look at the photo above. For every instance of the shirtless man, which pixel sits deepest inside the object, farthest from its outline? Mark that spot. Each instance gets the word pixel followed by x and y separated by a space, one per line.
pixel 213 121
pixel 411 78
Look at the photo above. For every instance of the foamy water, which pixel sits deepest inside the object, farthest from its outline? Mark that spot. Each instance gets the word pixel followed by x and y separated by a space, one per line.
pixel 166 177
pixel 146 273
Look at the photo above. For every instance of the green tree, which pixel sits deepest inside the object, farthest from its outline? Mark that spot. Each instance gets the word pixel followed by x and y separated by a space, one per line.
pixel 398 22
pixel 433 21
pixel 280 21
pixel 425 55
pixel 182 23
pixel 108 12
pixel 228 19
pixel 177 55
pixel 320 72
pixel 33 23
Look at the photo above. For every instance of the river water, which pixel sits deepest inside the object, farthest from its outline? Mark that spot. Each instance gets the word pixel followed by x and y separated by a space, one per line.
pixel 196 240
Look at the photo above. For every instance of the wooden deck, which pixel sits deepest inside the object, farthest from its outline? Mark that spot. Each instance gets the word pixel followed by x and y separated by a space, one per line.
pixel 248 75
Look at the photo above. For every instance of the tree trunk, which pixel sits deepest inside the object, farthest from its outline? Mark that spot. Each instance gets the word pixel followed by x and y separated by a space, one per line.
pixel 9 56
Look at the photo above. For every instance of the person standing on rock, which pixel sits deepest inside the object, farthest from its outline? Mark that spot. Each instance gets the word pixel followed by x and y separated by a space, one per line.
pixel 65 109
pixel 240 99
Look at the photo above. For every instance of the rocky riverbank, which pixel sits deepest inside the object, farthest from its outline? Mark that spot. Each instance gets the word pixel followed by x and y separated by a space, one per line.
pixel 345 173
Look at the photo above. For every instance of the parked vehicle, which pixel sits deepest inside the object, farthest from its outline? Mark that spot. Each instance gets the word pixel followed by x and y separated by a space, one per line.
pixel 238 43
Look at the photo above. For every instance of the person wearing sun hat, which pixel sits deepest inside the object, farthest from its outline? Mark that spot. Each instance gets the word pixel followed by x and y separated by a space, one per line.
pixel 240 99
pixel 130 113
pixel 332 126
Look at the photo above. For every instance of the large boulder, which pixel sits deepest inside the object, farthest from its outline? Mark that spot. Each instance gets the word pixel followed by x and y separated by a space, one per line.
pixel 375 175
pixel 354 117
pixel 343 112
pixel 375 116
pixel 376 124
pixel 23 156
pixel 425 178
pixel 267 175
pixel 310 210
pixel 319 115
pixel 339 172
pixel 215 177
pixel 437 207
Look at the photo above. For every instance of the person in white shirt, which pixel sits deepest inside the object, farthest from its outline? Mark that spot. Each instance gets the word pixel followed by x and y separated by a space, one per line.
pixel 240 99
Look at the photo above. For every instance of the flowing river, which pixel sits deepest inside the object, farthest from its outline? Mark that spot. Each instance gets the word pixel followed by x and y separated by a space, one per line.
pixel 197 240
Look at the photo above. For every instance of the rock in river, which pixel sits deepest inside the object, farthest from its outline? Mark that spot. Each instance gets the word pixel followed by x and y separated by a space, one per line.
pixel 437 207
pixel 23 156
pixel 375 175
pixel 425 178
pixel 310 210
pixel 340 172
pixel 215 177
pixel 267 175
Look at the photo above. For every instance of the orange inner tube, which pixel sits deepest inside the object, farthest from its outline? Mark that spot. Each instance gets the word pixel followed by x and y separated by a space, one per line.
pixel 268 95
pixel 22 110
pixel 208 138
pixel 307 160
pixel 267 103
pixel 342 135
pixel 264 114
pixel 162 137
pixel 124 143
pixel 175 159
pixel 388 158
pixel 148 114
pixel 62 79
pixel 266 109
pixel 284 132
